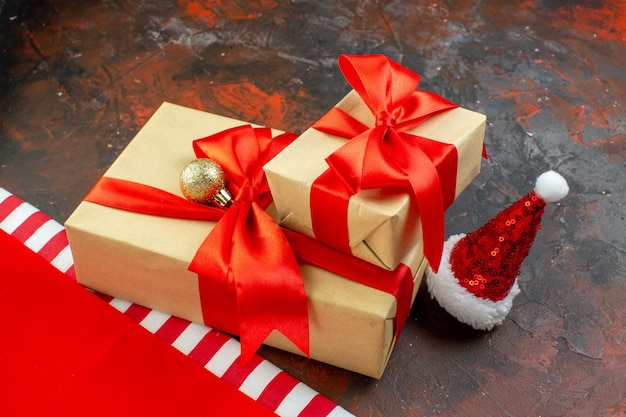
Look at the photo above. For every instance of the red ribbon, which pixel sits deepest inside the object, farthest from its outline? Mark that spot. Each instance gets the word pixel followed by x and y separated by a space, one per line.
pixel 246 251
pixel 218 300
pixel 398 282
pixel 384 155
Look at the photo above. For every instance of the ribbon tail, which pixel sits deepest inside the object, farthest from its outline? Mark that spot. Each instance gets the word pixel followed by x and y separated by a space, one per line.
pixel 428 194
pixel 269 286
pixel 213 255
pixel 211 264
pixel 444 157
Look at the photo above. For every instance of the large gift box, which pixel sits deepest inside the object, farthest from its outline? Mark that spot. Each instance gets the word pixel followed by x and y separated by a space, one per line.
pixel 355 309
pixel 408 139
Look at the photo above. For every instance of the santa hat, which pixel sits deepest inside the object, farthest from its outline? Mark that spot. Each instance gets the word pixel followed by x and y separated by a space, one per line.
pixel 477 279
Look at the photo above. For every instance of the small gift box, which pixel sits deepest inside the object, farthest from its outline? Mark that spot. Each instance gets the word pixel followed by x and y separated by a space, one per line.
pixel 135 237
pixel 376 173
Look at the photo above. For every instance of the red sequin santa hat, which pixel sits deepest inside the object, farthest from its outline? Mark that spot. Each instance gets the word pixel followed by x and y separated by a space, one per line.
pixel 477 279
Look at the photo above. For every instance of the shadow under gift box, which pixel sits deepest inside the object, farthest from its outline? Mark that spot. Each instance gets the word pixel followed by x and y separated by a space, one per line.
pixel 383 226
pixel 144 258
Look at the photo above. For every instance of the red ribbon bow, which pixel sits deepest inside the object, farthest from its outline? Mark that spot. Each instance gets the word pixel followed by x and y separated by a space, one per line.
pixel 384 155
pixel 246 250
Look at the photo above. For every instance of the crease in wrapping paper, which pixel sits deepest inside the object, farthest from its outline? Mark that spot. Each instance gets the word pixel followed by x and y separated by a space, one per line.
pixel 119 235
pixel 64 352
pixel 373 215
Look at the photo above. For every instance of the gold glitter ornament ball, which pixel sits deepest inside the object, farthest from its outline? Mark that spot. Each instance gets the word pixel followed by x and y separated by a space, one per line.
pixel 201 180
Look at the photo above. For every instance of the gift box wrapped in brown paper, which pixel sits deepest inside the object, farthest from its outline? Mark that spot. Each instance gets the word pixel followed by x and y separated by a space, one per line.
pixel 144 258
pixel 383 225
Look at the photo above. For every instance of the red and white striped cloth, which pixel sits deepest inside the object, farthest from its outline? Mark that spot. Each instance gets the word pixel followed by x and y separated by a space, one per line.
pixel 216 351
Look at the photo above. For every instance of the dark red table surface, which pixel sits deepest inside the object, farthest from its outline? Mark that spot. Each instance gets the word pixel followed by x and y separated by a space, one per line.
pixel 78 79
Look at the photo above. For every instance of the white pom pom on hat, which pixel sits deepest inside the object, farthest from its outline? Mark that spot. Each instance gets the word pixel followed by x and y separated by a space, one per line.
pixel 477 279
pixel 551 187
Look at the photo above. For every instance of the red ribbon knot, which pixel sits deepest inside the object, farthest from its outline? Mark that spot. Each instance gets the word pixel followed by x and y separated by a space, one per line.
pixel 384 118
pixel 248 193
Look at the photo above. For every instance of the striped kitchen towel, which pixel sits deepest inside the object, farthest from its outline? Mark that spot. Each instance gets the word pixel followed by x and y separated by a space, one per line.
pixel 216 351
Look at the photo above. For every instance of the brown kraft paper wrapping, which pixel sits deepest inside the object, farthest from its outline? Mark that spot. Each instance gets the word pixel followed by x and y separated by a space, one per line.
pixel 383 226
pixel 144 258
